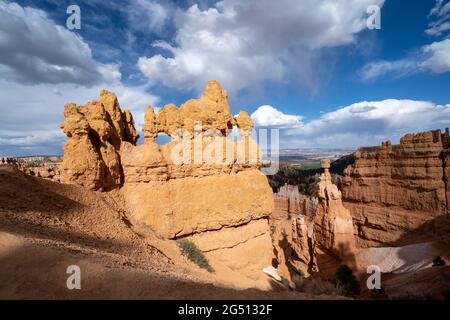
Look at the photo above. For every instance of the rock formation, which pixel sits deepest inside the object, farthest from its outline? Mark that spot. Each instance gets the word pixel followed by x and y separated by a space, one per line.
pixel 201 185
pixel 333 226
pixel 394 190
pixel 292 232
pixel 314 230
pixel 95 134
pixel 46 167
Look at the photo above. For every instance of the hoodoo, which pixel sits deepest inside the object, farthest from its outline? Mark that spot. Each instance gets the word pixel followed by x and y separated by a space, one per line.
pixel 219 202
pixel 312 234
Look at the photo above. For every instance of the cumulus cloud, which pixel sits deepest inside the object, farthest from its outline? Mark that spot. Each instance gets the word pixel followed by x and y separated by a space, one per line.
pixel 365 123
pixel 35 112
pixel 437 57
pixel 42 67
pixel 246 43
pixel 268 116
pixel 36 50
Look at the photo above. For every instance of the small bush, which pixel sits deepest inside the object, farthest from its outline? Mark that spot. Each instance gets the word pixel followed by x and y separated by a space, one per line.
pixel 438 262
pixel 298 279
pixel 190 251
pixel 34 164
pixel 273 229
pixel 285 282
pixel 346 281
pixel 318 286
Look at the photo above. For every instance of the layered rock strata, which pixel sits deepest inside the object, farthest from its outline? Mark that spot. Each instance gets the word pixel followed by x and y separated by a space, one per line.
pixel 312 234
pixel 397 194
pixel 202 185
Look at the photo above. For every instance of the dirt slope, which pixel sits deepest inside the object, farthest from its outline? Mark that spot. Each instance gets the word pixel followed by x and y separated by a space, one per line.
pixel 47 226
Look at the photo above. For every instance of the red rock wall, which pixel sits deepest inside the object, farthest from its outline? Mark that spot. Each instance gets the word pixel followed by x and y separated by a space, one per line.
pixel 397 193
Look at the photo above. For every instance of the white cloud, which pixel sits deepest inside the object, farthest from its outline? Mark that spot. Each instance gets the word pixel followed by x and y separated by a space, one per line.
pixel 438 57
pixel 366 123
pixel 54 67
pixel 36 50
pixel 399 68
pixel 438 28
pixel 147 16
pixel 440 9
pixel 31 114
pixel 432 58
pixel 246 43
pixel 439 17
pixel 268 116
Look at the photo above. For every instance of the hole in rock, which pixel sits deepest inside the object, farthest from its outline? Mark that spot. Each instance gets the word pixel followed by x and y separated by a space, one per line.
pixel 163 138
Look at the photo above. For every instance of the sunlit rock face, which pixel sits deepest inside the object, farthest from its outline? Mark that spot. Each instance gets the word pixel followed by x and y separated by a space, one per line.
pixel 202 185
pixel 312 234
pixel 399 194
pixel 95 133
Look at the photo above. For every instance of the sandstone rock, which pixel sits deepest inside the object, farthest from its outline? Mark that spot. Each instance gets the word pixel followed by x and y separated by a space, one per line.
pixel 242 249
pixel 201 185
pixel 130 133
pixel 95 134
pixel 211 111
pixel 189 205
pixel 393 190
pixel 333 226
pixel 150 127
pixel 312 234
pixel 244 123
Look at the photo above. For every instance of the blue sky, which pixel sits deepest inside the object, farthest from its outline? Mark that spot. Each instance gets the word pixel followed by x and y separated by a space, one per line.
pixel 311 68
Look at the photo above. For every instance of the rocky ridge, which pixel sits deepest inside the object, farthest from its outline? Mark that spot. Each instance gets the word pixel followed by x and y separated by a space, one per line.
pixel 397 194
pixel 201 185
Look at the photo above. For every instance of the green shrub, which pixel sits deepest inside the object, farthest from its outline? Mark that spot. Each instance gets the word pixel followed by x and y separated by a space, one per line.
pixel 298 279
pixel 190 251
pixel 285 282
pixel 34 164
pixel 317 286
pixel 346 282
pixel 273 229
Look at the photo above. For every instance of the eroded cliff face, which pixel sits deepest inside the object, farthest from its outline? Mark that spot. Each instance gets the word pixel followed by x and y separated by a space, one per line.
pixel 312 234
pixel 202 185
pixel 398 194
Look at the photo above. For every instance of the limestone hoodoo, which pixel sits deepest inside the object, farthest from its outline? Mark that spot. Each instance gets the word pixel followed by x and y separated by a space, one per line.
pixel 333 226
pixel 95 133
pixel 201 186
pixel 312 234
